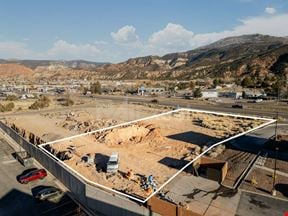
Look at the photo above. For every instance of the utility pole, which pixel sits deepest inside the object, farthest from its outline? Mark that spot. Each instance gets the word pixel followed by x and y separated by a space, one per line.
pixel 276 155
pixel 274 175
pixel 276 126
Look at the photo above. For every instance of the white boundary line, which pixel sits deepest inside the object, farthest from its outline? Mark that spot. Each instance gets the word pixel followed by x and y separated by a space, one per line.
pixel 269 121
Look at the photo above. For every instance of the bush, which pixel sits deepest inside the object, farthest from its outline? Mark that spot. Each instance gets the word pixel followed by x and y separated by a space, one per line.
pixel 42 102
pixel 7 107
pixel 11 98
pixel 96 88
pixel 197 93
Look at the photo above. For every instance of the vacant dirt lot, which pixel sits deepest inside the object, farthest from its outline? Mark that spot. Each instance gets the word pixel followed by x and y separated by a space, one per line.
pixel 158 147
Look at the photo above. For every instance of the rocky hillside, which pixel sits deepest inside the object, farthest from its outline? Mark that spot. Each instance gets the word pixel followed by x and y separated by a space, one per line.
pixel 75 64
pixel 14 70
pixel 231 57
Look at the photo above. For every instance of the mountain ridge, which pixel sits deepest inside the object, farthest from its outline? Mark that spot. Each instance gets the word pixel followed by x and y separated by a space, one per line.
pixel 232 57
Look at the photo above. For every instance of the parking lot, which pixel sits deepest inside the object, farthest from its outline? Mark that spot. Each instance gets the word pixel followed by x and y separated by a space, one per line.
pixel 17 199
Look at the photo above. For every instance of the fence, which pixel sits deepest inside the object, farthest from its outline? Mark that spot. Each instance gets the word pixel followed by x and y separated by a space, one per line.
pixel 90 196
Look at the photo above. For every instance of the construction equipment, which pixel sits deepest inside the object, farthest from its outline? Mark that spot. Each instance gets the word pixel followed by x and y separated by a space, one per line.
pixel 149 183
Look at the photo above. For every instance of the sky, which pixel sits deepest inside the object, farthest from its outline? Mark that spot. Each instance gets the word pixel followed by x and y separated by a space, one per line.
pixel 115 30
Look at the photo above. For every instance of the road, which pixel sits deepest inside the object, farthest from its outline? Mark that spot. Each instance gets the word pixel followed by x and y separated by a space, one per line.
pixel 174 102
pixel 17 199
pixel 259 205
pixel 219 107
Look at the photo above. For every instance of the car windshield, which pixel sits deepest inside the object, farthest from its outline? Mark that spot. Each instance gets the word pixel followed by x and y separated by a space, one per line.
pixel 112 162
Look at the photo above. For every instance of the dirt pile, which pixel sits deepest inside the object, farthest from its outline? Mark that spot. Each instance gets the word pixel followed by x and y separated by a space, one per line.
pixel 226 126
pixel 131 134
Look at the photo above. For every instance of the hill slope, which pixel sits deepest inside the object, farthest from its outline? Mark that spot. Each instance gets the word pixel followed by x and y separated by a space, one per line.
pixel 14 70
pixel 230 57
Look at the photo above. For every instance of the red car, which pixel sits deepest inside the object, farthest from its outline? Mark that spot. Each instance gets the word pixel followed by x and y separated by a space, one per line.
pixel 32 175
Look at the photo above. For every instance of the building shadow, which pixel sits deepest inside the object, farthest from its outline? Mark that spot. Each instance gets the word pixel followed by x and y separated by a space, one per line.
pixel 282 188
pixel 194 138
pixel 16 203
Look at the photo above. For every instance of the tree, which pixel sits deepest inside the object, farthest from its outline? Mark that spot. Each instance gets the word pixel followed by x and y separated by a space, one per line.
pixel 216 82
pixel 192 85
pixel 197 93
pixel 266 82
pixel 96 88
pixel 247 82
pixel 42 102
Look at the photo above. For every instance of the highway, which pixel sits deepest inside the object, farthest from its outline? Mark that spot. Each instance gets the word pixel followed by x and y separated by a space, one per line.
pixel 176 102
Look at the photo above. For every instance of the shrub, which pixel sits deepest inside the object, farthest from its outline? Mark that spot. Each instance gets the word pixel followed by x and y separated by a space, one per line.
pixel 197 93
pixel 42 102
pixel 7 107
pixel 11 98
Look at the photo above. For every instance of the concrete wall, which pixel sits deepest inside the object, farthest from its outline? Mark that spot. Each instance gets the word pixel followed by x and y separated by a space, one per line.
pixel 96 199
pixel 168 209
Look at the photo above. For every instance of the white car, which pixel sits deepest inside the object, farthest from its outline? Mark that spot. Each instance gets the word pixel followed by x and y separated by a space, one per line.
pixel 113 163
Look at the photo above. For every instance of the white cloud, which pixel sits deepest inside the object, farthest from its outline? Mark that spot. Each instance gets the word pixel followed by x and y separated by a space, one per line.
pixel 126 35
pixel 13 49
pixel 172 37
pixel 175 37
pixel 68 50
pixel 270 10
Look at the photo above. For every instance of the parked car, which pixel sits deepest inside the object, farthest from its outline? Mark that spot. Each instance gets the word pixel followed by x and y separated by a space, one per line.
pixel 259 100
pixel 239 106
pixel 32 175
pixel 113 163
pixel 48 193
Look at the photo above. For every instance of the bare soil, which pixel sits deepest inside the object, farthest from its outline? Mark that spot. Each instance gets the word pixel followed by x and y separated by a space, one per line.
pixel 158 147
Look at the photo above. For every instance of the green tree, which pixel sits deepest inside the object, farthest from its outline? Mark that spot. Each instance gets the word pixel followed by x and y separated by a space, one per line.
pixel 216 82
pixel 42 102
pixel 247 82
pixel 96 88
pixel 197 93
pixel 266 82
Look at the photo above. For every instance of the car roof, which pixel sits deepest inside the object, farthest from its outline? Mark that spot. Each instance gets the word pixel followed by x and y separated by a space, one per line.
pixel 48 189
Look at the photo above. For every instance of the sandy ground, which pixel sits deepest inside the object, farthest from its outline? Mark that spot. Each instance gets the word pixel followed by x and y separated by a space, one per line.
pixel 51 126
pixel 158 147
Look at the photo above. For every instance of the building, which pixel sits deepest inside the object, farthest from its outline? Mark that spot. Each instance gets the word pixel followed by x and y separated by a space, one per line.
pixel 210 93
pixel 150 91
pixel 234 95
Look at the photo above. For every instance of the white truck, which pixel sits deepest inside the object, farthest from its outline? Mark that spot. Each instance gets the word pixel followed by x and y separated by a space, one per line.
pixel 113 163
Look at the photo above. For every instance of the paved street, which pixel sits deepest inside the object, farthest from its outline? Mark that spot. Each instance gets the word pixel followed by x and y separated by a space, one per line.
pixel 258 205
pixel 16 199
pixel 190 104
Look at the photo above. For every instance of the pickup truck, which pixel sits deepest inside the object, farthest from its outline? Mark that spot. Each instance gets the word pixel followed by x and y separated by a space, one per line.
pixel 113 163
